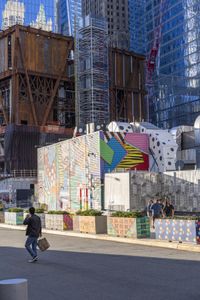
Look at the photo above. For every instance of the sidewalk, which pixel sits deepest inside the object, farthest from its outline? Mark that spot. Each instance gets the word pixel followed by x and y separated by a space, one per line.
pixel 104 237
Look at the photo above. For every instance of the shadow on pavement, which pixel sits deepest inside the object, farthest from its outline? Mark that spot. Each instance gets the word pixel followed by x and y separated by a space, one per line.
pixel 74 275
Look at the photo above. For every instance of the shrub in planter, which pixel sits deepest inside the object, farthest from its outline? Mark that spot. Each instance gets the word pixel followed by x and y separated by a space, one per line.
pixel 44 206
pixel 127 214
pixel 2 219
pixel 180 229
pixel 89 212
pixel 15 210
pixel 129 224
pixel 14 216
pixel 39 211
pixel 90 221
pixel 58 220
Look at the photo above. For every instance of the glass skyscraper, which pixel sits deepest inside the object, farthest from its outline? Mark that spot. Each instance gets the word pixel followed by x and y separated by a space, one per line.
pixel 69 13
pixel 36 13
pixel 137 30
pixel 175 99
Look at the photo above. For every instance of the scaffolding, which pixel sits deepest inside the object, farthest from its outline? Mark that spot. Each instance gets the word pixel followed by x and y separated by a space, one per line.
pixel 92 95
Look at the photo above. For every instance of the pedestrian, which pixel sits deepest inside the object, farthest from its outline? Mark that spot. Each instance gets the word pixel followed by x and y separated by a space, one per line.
pixel 168 209
pixel 33 232
pixel 161 203
pixel 148 208
pixel 157 211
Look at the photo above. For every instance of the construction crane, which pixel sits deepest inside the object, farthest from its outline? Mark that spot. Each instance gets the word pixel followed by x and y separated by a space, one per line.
pixel 151 62
pixel 152 58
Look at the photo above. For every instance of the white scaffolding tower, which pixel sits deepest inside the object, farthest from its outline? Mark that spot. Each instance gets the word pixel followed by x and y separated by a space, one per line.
pixel 92 72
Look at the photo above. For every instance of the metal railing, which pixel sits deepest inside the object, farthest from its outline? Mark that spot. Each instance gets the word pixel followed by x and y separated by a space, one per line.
pixel 19 173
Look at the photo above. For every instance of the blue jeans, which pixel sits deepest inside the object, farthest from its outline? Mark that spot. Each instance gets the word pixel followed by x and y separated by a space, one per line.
pixel 31 246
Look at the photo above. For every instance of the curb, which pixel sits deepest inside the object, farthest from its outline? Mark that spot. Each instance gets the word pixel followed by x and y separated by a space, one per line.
pixel 104 237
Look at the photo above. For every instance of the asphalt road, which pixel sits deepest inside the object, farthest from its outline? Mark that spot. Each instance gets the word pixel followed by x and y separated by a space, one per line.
pixel 85 269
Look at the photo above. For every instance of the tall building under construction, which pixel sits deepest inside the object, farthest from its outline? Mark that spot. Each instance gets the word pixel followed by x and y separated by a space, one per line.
pixel 92 105
pixel 117 16
pixel 110 81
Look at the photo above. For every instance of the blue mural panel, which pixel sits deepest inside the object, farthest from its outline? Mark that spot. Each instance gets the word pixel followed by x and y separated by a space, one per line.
pixel 176 230
pixel 119 154
pixel 198 231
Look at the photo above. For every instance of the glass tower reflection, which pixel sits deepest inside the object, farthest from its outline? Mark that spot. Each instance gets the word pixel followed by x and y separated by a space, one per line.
pixel 36 13
pixel 69 14
pixel 176 97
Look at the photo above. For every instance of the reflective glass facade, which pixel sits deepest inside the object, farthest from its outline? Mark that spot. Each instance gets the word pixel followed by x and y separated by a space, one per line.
pixel 175 100
pixel 137 26
pixel 69 12
pixel 36 13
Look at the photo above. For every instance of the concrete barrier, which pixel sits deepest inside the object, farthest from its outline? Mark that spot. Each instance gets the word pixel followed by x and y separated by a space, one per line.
pixel 14 289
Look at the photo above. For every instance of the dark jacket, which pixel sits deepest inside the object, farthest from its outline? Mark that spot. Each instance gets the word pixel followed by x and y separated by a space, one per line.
pixel 34 228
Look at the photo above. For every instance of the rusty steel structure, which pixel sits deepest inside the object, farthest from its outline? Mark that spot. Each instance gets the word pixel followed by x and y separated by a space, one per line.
pixel 37 104
pixel 35 87
pixel 127 86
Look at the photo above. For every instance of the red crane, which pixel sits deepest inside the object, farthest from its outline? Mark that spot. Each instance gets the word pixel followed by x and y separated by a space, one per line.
pixel 151 62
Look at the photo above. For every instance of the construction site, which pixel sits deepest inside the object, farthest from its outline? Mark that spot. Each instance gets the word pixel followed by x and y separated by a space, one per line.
pixel 92 72
pixel 110 82
pixel 127 86
pixel 36 97
pixel 47 90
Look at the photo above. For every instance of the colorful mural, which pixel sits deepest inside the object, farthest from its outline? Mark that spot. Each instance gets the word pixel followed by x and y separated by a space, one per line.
pixel 129 227
pixel 177 230
pixel 71 172
pixel 127 151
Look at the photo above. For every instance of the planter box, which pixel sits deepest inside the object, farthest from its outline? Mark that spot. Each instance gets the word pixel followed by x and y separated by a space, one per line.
pixel 2 218
pixel 90 224
pixel 42 217
pixel 178 230
pixel 13 218
pixel 58 222
pixel 129 227
pixel 76 224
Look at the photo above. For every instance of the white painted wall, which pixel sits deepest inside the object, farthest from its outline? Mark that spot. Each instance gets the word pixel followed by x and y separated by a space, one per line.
pixel 133 189
pixel 117 191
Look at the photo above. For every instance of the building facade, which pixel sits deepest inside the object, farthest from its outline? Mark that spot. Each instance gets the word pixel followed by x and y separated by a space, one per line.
pixel 116 14
pixel 68 16
pixel 92 101
pixel 137 29
pixel 36 13
pixel 175 97
pixel 127 86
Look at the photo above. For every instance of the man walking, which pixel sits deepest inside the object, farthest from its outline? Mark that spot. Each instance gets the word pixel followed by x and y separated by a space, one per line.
pixel 33 232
